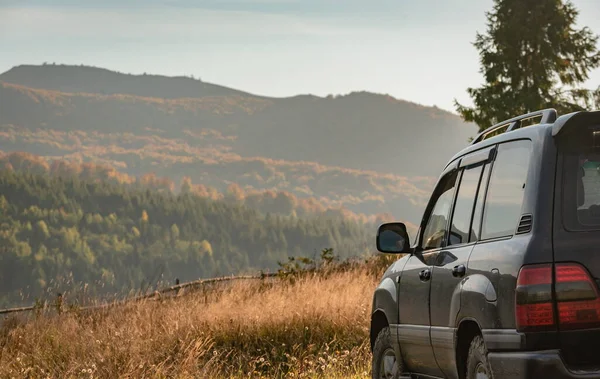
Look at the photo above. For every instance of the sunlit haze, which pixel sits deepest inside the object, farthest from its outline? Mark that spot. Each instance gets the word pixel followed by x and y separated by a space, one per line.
pixel 419 50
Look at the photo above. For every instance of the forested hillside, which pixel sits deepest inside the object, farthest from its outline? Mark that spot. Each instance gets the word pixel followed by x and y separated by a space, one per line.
pixel 369 153
pixel 279 202
pixel 56 229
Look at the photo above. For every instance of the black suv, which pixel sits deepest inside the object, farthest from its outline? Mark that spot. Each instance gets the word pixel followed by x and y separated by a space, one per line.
pixel 502 278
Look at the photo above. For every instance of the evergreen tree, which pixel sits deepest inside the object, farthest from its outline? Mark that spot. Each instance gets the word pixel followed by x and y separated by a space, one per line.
pixel 532 57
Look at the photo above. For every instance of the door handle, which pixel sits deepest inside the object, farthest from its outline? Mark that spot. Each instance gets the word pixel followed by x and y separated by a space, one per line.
pixel 459 271
pixel 425 275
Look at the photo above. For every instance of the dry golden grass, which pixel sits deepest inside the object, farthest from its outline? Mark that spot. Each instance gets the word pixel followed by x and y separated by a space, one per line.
pixel 316 326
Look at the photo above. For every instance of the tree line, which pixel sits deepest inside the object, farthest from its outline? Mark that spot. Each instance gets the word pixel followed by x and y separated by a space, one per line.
pixel 264 200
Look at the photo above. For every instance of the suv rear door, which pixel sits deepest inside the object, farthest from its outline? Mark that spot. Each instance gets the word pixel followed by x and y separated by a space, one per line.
pixel 576 239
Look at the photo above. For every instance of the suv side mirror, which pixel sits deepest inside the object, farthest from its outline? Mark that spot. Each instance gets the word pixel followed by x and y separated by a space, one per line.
pixel 393 238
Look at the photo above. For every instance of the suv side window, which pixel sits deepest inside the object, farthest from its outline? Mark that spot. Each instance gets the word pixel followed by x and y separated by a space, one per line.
pixel 463 209
pixel 435 230
pixel 506 189
pixel 478 212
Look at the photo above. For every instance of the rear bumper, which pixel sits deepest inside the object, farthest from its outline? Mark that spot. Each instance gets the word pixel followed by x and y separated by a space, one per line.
pixel 534 364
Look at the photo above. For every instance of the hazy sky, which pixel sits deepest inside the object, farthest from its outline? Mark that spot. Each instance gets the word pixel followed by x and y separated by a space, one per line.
pixel 415 50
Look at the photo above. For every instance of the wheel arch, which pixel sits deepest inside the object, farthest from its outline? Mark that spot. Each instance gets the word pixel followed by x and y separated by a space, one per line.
pixel 468 329
pixel 378 322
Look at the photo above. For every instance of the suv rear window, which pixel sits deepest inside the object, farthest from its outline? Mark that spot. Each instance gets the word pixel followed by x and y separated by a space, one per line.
pixel 581 180
pixel 506 189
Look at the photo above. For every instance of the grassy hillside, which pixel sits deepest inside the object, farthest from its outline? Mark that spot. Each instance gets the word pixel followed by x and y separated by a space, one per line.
pixel 370 153
pixel 314 327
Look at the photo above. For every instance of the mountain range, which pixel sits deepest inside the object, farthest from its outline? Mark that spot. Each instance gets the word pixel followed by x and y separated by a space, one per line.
pixel 363 152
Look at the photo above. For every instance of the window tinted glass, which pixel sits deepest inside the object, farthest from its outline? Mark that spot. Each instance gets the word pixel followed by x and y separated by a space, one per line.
pixel 435 229
pixel 506 189
pixel 476 228
pixel 581 180
pixel 465 199
pixel 588 192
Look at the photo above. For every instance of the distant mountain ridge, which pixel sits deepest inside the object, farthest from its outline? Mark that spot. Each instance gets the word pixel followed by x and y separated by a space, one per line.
pixel 86 79
pixel 368 152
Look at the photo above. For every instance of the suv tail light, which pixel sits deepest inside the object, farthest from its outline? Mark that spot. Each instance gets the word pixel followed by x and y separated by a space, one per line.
pixel 577 298
pixel 534 308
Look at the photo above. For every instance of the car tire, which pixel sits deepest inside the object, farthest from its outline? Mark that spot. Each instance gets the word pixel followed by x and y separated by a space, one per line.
pixel 478 366
pixel 385 364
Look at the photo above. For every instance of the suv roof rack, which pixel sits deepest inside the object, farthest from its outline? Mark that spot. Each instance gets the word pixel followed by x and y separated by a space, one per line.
pixel 548 116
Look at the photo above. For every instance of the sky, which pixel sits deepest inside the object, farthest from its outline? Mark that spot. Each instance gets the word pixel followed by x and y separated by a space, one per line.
pixel 418 50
